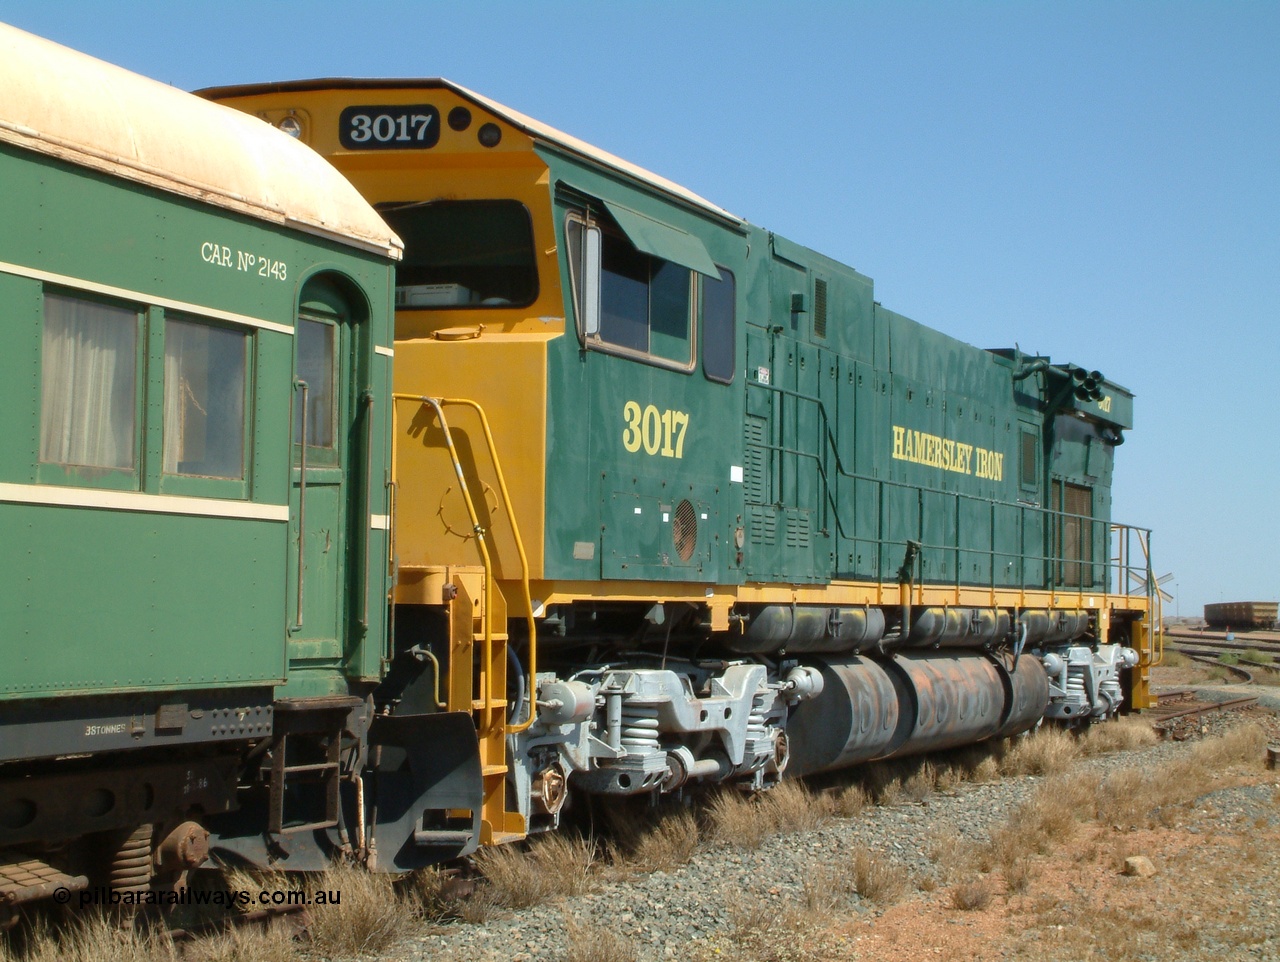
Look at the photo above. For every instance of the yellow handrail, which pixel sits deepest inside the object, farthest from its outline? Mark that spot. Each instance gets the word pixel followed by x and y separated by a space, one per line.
pixel 438 404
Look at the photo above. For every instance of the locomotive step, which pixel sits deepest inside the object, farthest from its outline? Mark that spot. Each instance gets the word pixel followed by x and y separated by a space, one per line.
pixel 24 879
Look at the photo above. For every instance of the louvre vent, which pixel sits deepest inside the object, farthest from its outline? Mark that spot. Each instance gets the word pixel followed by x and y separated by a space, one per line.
pixel 820 308
pixel 797 530
pixel 755 476
pixel 764 524
pixel 684 530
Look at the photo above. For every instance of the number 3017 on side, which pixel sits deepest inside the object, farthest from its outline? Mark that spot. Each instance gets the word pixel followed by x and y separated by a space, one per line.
pixel 658 432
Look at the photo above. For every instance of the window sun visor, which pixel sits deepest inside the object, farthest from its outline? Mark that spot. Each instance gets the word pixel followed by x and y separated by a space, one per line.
pixel 663 241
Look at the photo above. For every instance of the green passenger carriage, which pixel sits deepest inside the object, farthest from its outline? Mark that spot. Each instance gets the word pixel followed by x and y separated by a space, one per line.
pixel 193 506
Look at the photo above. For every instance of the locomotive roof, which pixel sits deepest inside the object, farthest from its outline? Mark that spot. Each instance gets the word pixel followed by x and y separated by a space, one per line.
pixel 515 118
pixel 68 105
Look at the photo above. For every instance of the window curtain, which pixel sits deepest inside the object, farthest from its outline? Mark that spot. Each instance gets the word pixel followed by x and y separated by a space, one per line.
pixel 89 383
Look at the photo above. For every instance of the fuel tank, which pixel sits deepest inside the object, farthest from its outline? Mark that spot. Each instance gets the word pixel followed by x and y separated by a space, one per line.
pixel 871 709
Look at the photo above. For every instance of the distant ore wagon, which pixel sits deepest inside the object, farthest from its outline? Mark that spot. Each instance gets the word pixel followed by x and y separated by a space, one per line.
pixel 1242 614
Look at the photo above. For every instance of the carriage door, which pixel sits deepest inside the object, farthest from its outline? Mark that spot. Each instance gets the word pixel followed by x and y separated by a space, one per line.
pixel 322 479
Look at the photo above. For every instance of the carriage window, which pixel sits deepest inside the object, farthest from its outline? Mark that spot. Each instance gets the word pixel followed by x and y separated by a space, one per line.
pixel 204 399
pixel 315 369
pixel 464 253
pixel 89 383
pixel 717 327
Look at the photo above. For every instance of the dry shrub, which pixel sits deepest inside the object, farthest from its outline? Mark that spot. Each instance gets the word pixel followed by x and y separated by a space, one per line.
pixel 554 865
pixel 1175 659
pixel 950 777
pixel 745 821
pixel 244 943
pixel 791 807
pixel 591 942
pixel 733 819
pixel 666 845
pixel 827 887
pixel 1246 745
pixel 1017 876
pixel 878 879
pixel 478 907
pixel 763 931
pixel 921 783
pixel 954 855
pixel 987 770
pixel 1043 822
pixel 971 896
pixel 1119 735
pixel 851 801
pixel 425 890
pixel 1127 798
pixel 370 916
pixel 1046 752
pixel 97 938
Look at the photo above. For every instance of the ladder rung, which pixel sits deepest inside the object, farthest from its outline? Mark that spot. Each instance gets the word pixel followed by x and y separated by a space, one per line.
pixel 308 827
pixel 318 767
pixel 493 770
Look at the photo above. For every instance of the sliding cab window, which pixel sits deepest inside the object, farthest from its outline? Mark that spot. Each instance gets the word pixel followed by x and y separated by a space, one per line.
pixel 630 301
pixel 464 254
pixel 205 389
pixel 89 397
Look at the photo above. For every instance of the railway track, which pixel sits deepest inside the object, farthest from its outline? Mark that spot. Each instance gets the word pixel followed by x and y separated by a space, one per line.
pixel 1179 710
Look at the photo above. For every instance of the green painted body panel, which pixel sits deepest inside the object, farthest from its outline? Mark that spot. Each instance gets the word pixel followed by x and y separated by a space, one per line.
pixel 622 504
pixel 96 599
pixel 138 602
pixel 848 431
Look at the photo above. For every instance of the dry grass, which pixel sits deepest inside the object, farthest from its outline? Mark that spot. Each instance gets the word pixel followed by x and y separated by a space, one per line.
pixel 1175 659
pixel 1045 752
pixel 744 821
pixel 591 942
pixel 552 866
pixel 371 915
pixel 851 801
pixel 921 784
pixel 1017 876
pixel 763 931
pixel 666 845
pixel 954 856
pixel 94 938
pixel 246 944
pixel 829 887
pixel 972 896
pixel 878 880
pixel 1120 735
pixel 1128 798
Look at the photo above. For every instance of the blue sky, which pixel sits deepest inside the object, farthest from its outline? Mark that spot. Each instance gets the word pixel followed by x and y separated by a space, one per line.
pixel 1095 181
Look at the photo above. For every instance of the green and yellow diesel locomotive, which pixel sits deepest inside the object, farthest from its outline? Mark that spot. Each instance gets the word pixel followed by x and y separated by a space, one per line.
pixel 675 501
